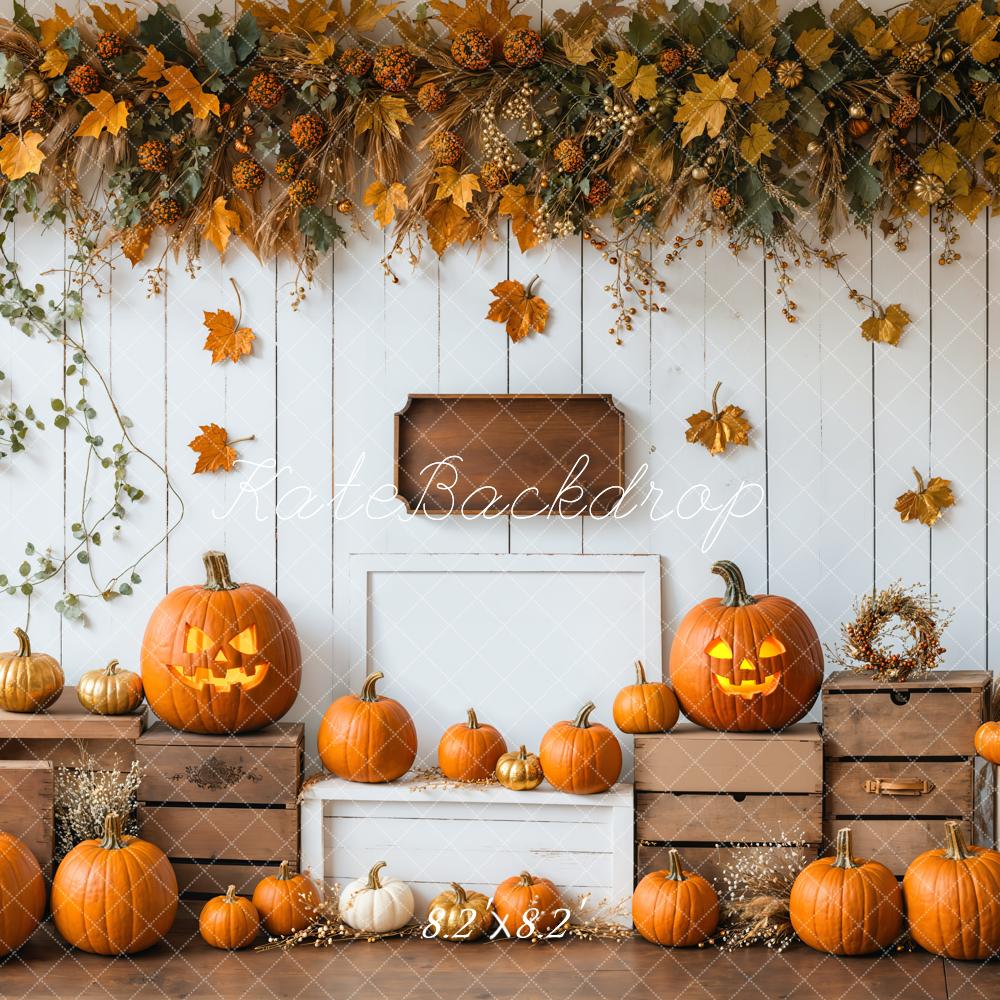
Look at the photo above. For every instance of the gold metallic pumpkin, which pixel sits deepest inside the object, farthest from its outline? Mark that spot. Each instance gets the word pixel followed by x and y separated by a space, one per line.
pixel 110 691
pixel 458 915
pixel 29 682
pixel 520 771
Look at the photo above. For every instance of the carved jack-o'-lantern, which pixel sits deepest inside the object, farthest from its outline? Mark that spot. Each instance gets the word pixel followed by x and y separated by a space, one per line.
pixel 220 658
pixel 744 663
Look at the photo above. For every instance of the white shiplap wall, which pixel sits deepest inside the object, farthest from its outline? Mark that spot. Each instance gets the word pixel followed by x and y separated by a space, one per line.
pixel 838 424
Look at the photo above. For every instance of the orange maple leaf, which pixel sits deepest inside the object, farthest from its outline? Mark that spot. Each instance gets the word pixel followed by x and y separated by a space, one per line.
pixel 182 87
pixel 107 114
pixel 214 449
pixel 521 311
pixel 494 19
pixel 226 338
pixel 522 209
pixel 19 157
pixel 152 69
pixel 220 223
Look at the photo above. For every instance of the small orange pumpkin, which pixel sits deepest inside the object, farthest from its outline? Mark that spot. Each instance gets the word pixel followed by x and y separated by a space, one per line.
pixel 367 737
pixel 953 899
pixel 469 751
pixel 286 901
pixel 528 906
pixel 646 706
pixel 674 907
pixel 229 922
pixel 22 893
pixel 859 127
pixel 581 757
pixel 844 906
pixel 988 742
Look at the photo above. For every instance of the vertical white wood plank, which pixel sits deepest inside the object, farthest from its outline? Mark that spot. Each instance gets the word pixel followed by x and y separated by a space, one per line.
pixel 992 464
pixel 958 445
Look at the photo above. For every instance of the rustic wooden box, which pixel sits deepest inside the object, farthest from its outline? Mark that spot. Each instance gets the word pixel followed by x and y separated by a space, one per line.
pixel 433 833
pixel 66 734
pixel 223 808
pixel 26 791
pixel 900 761
pixel 715 795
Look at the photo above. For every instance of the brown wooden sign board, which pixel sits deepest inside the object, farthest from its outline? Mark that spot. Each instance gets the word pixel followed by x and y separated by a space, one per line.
pixel 509 454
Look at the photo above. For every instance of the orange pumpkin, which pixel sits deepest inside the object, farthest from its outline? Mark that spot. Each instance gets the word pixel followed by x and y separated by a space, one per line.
pixel 367 737
pixel 844 906
pixel 953 899
pixel 22 894
pixel 469 751
pixel 581 757
pixel 220 658
pixel 744 663
pixel 528 906
pixel 229 921
pixel 114 896
pixel 988 742
pixel 286 902
pixel 675 907
pixel 646 706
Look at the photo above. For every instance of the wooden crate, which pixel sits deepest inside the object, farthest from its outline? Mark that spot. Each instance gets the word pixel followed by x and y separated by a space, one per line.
pixel 223 808
pixel 431 834
pixel 900 761
pixel 26 806
pixel 67 734
pixel 718 796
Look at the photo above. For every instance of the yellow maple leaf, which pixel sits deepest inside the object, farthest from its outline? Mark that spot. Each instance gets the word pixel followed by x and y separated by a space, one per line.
pixel 640 80
pixel 907 28
pixel 770 109
pixel 51 28
pixel 55 62
pixel 214 449
pixel 459 187
pixel 111 17
pixel 972 202
pixel 886 327
pixel 183 88
pixel 973 137
pixel 522 210
pixel 494 19
pixel 977 31
pixel 135 243
pixel 384 114
pixel 759 142
pixel 815 47
pixel 873 39
pixel 20 157
pixel 624 69
pixel 364 15
pixel 927 501
pixel 220 223
pixel 301 18
pixel 940 160
pixel 579 48
pixel 846 15
pixel 107 114
pixel 152 68
pixel 754 22
pixel 704 110
pixel 519 310
pixel 449 224
pixel 319 50
pixel 718 429
pixel 385 199
pixel 226 338
pixel 752 80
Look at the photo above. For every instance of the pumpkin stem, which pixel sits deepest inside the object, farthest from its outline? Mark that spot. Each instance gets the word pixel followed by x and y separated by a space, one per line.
pixel 526 880
pixel 374 882
pixel 957 849
pixel 368 688
pixel 920 480
pixel 23 642
pixel 522 753
pixel 217 572
pixel 736 595
pixel 111 669
pixel 844 858
pixel 640 672
pixel 674 871
pixel 284 871
pixel 715 400
pixel 230 894
pixel 112 833
pixel 461 896
pixel 582 720
pixel 473 721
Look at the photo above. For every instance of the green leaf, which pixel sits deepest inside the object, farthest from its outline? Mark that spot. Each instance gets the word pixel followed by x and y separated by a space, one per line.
pixel 166 33
pixel 320 229
pixel 25 21
pixel 863 185
pixel 217 53
pixel 246 36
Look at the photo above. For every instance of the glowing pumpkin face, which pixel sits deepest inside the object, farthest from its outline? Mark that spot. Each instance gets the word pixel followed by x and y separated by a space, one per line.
pixel 220 658
pixel 743 663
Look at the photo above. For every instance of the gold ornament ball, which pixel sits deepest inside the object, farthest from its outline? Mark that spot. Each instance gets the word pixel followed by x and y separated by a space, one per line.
pixel 813 147
pixel 948 56
pixel 856 111
pixel 344 206
pixel 711 160
pixel 699 173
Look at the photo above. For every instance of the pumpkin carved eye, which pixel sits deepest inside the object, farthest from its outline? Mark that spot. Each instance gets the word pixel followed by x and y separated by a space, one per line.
pixel 246 641
pixel 196 641
pixel 719 649
pixel 770 647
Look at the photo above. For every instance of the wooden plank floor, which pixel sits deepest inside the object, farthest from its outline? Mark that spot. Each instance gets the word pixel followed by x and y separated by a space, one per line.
pixel 186 967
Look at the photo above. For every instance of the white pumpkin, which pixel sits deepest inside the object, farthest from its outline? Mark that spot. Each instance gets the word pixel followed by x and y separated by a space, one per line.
pixel 376 904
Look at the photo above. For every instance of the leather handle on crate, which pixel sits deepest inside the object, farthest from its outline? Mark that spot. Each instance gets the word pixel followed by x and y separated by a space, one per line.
pixel 901 786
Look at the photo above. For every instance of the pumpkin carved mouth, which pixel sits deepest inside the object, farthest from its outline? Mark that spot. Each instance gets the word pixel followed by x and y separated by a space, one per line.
pixel 748 688
pixel 206 677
